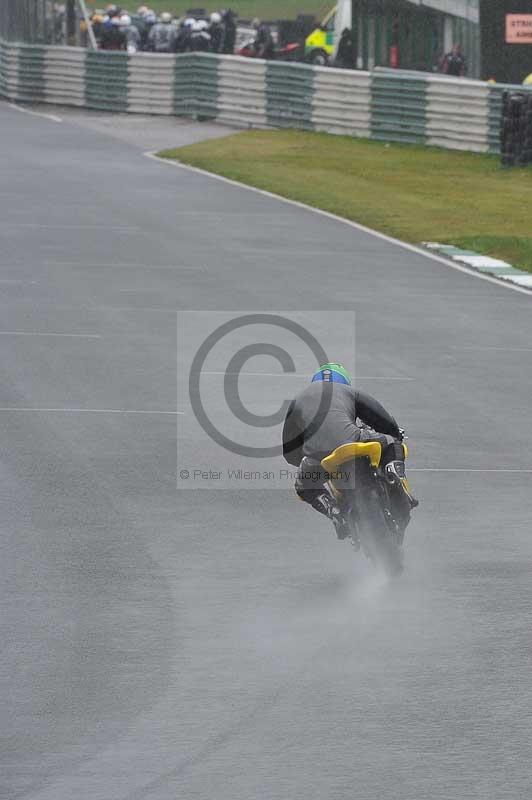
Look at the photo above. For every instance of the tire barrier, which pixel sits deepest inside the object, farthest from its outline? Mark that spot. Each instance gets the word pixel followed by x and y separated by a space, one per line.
pixel 388 105
pixel 516 129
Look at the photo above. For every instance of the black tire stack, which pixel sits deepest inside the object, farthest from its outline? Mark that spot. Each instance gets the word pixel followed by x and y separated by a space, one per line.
pixel 516 129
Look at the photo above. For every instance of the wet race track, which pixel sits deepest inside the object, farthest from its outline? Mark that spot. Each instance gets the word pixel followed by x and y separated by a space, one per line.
pixel 161 643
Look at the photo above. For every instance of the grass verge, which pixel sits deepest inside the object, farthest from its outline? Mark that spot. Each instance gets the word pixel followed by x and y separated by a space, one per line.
pixel 411 192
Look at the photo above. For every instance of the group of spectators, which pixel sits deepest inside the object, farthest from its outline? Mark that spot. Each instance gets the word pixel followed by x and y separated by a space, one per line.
pixel 116 29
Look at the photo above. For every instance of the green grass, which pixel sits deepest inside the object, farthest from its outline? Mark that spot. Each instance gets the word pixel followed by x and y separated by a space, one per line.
pixel 411 192
pixel 247 9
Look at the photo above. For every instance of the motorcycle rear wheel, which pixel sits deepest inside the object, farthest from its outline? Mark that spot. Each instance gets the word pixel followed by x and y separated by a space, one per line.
pixel 376 536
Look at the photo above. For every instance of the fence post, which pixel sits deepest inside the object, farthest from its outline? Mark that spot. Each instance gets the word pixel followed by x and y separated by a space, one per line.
pixel 70 21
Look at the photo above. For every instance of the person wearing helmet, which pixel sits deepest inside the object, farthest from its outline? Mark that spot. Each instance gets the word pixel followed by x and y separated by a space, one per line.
pixel 263 44
pixel 200 39
pixel 139 21
pixel 216 31
pixel 325 415
pixel 144 22
pixel 97 18
pixel 229 23
pixel 163 35
pixel 132 33
pixel 184 35
pixel 111 12
pixel 113 36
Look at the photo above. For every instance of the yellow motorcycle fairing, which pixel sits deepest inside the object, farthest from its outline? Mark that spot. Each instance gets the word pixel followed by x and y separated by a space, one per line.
pixel 347 452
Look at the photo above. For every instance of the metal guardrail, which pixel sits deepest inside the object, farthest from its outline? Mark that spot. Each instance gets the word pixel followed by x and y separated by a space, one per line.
pixel 398 107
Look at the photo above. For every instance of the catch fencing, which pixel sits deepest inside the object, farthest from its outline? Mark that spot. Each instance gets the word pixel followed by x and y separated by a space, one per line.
pixel 32 21
pixel 388 105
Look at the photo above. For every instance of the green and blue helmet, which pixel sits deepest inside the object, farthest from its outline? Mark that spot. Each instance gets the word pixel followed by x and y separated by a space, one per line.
pixel 333 373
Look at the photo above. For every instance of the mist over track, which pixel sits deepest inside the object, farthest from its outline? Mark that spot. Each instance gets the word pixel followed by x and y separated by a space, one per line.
pixel 166 644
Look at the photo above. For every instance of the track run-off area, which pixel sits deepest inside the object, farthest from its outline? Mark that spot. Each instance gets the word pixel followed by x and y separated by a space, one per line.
pixel 161 643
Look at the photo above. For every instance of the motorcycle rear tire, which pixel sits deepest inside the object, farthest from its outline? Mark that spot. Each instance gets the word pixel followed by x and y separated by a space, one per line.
pixel 376 536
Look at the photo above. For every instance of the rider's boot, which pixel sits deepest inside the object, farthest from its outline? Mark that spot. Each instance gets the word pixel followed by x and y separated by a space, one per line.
pixel 325 504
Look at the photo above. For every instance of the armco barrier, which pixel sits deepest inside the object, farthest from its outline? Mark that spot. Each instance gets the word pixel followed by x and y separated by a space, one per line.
pixel 185 88
pixel 4 61
pixel 64 76
pixel 458 120
pixel 206 83
pixel 399 107
pixel 106 80
pixel 389 105
pixel 289 91
pixel 242 92
pixel 9 70
pixel 31 83
pixel 341 102
pixel 494 117
pixel 151 84
pixel 196 85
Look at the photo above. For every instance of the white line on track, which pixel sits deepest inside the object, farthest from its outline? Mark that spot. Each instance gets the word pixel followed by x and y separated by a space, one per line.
pixel 42 333
pixel 104 265
pixel 99 307
pixel 379 378
pixel 52 117
pixel 16 281
pixel 412 247
pixel 39 226
pixel 488 348
pixel 111 265
pixel 91 411
pixel 466 469
pixel 301 377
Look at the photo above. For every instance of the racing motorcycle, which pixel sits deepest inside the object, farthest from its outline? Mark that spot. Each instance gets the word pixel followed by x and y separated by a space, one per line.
pixel 367 491
pixel 288 52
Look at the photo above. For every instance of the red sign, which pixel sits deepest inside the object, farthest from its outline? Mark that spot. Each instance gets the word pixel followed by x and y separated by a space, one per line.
pixel 519 29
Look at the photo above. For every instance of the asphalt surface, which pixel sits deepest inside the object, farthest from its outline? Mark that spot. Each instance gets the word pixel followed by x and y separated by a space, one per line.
pixel 161 643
